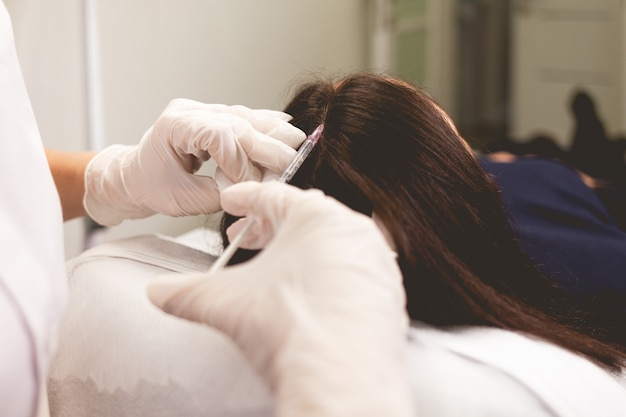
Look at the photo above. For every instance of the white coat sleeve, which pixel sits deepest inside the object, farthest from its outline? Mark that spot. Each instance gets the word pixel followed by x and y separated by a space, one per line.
pixel 32 272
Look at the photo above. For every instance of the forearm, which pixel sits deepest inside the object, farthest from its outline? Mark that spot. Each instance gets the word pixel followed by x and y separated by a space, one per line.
pixel 68 171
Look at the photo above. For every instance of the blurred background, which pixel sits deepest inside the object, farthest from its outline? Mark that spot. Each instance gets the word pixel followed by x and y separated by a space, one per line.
pixel 100 71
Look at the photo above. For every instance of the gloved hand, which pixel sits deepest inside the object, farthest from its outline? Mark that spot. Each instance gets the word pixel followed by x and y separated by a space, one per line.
pixel 320 312
pixel 157 175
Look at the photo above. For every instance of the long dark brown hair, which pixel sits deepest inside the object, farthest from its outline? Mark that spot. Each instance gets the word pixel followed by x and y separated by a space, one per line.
pixel 388 149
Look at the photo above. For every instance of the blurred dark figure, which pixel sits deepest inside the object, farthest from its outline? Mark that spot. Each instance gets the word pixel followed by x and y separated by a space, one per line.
pixel 592 151
pixel 597 155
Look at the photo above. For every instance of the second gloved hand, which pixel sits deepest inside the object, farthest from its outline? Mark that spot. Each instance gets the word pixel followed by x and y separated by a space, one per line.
pixel 157 175
pixel 320 312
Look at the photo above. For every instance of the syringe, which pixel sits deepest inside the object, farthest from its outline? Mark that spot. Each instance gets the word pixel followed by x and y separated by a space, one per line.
pixel 286 176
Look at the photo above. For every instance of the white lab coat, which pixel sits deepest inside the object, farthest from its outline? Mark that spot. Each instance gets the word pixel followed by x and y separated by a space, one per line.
pixel 32 274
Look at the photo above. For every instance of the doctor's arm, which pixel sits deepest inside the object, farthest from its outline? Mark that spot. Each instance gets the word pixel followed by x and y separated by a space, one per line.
pixel 158 175
pixel 68 171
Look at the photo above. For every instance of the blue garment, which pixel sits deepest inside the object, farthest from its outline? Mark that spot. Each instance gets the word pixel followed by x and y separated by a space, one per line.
pixel 563 226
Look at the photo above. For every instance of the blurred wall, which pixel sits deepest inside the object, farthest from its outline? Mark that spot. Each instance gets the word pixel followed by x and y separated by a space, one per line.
pixel 151 51
pixel 483 51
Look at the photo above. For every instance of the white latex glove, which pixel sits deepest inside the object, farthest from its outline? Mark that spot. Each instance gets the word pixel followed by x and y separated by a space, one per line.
pixel 320 312
pixel 157 175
